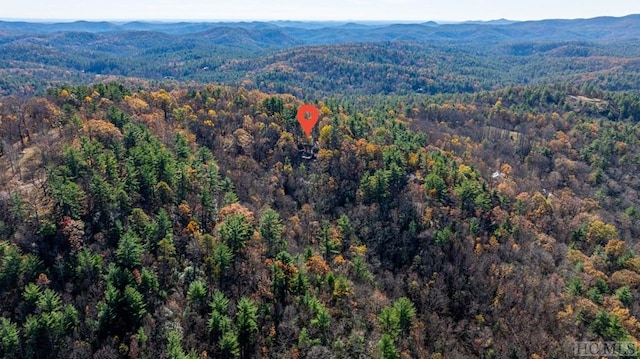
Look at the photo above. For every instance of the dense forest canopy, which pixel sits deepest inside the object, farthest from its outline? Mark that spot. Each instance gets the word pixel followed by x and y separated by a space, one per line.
pixel 468 199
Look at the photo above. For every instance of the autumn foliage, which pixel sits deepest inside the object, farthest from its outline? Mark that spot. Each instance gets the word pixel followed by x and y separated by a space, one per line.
pixel 185 223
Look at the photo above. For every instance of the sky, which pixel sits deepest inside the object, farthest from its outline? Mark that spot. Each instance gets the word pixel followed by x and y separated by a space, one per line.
pixel 340 10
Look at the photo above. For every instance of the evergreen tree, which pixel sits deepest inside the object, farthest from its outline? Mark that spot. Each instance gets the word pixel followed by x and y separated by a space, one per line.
pixel 229 346
pixel 387 347
pixel 9 339
pixel 389 321
pixel 271 229
pixel 608 326
pixel 406 312
pixel 129 252
pixel 197 294
pixel 246 323
pixel 174 347
pixel 219 323
pixel 135 306
pixel 235 231
pixel 68 198
pixel 10 265
pixel 222 257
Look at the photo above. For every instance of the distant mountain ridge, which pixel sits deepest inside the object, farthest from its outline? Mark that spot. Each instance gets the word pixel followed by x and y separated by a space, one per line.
pixel 297 32
pixel 492 22
pixel 321 57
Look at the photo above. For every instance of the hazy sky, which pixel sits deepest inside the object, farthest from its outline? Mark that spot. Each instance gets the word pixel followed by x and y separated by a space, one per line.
pixel 421 10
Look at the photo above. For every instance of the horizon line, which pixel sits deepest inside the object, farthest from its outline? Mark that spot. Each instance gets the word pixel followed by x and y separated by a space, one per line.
pixel 168 20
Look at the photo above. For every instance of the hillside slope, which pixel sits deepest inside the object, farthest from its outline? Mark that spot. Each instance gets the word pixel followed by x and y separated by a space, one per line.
pixel 185 223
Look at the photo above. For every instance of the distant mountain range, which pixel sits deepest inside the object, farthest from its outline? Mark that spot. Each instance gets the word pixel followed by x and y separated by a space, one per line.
pixel 296 32
pixel 345 56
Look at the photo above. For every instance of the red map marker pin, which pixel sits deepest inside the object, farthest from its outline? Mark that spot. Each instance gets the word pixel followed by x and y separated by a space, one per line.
pixel 308 123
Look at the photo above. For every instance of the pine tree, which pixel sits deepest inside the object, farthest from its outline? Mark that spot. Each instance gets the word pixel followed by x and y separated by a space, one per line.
pixel 322 321
pixel 389 321
pixel 9 338
pixel 68 198
pixel 89 265
pixel 135 306
pixel 220 261
pixel 246 323
pixel 219 323
pixel 235 231
pixel 49 301
pixel 10 265
pixel 387 347
pixel 229 346
pixel 174 347
pixel 197 294
pixel 406 312
pixel 270 229
pixel 129 252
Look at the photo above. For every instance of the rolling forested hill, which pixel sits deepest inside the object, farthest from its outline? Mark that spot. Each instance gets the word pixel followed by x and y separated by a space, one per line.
pixel 325 57
pixel 474 194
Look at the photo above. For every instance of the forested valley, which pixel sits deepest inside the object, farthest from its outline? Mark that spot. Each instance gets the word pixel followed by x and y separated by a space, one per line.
pixel 467 213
